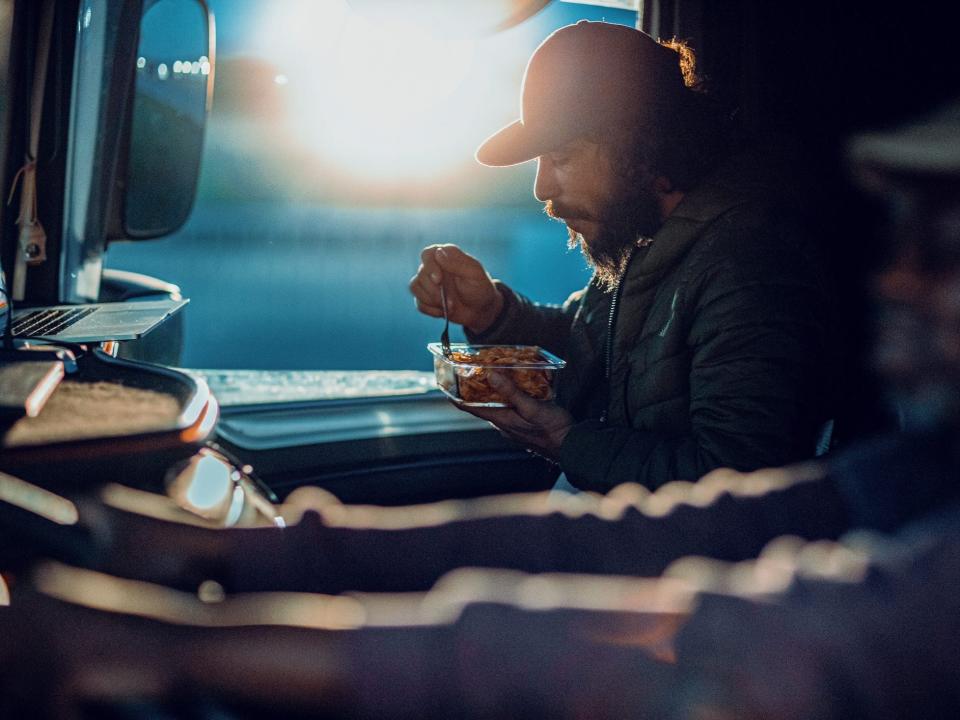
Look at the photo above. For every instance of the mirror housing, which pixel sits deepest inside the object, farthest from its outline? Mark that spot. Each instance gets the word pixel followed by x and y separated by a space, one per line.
pixel 162 144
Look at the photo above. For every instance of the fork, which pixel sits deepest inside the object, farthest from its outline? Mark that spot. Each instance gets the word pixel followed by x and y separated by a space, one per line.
pixel 445 335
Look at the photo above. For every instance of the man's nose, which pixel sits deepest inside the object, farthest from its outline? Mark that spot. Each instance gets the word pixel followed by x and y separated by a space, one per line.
pixel 545 186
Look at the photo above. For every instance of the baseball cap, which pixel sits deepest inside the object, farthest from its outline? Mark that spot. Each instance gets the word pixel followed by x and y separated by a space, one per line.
pixel 587 78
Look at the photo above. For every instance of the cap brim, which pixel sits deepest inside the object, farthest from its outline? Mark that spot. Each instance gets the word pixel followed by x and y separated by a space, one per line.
pixel 511 145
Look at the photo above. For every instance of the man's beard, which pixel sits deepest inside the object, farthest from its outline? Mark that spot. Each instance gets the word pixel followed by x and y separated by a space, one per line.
pixel 621 225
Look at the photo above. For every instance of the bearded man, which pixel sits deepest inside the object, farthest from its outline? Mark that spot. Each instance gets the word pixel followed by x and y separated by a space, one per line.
pixel 702 340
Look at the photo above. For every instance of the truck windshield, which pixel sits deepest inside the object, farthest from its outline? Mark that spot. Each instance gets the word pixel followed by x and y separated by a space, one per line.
pixel 339 145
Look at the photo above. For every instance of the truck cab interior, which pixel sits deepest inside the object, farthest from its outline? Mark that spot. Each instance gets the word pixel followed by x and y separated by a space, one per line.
pixel 280 165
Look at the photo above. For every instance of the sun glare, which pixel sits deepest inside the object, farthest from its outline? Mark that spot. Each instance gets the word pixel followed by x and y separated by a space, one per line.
pixel 380 99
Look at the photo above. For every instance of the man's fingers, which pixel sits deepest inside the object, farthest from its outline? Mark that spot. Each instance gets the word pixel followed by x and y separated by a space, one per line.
pixel 424 288
pixel 425 296
pixel 456 262
pixel 431 310
pixel 524 405
pixel 505 420
pixel 522 408
pixel 436 261
pixel 428 257
pixel 537 424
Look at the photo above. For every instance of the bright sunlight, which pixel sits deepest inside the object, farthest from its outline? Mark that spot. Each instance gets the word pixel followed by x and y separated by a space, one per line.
pixel 380 98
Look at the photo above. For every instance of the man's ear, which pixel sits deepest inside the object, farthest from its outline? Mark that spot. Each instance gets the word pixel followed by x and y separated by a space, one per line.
pixel 667 195
pixel 663 185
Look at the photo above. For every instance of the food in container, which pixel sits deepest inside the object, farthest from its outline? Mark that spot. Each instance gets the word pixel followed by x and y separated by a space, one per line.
pixel 464 374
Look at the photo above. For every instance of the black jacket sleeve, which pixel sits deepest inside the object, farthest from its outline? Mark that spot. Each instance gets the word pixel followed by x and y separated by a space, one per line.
pixel 523 322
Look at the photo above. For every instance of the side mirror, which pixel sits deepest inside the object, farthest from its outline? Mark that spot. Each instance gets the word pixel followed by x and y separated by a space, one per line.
pixel 172 92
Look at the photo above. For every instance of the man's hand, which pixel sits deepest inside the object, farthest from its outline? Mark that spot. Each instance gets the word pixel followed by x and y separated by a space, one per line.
pixel 472 299
pixel 540 425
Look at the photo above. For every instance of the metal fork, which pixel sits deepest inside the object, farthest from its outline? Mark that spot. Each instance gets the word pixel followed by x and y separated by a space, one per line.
pixel 445 335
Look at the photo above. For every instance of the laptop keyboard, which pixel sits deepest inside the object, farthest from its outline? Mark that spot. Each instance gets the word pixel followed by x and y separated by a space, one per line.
pixel 41 323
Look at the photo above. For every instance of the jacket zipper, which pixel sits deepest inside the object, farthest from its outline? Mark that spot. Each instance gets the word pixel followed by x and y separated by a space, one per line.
pixel 611 326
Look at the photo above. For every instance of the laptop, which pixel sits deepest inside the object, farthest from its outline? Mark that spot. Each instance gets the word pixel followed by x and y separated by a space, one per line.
pixel 95 322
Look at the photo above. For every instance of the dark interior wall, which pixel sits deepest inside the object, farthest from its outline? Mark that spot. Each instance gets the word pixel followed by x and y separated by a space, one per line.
pixel 820 68
pixel 859 64
pixel 820 72
pixel 826 71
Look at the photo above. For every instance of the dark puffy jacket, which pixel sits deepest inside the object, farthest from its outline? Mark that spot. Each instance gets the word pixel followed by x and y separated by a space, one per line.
pixel 721 349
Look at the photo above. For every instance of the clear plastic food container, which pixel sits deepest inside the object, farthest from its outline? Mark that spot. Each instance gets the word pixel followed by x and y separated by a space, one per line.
pixel 464 375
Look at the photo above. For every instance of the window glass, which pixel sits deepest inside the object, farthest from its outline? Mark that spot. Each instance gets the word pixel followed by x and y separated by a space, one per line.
pixel 337 148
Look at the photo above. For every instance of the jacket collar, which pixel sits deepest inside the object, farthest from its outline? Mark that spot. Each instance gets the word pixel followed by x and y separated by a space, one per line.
pixel 729 186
